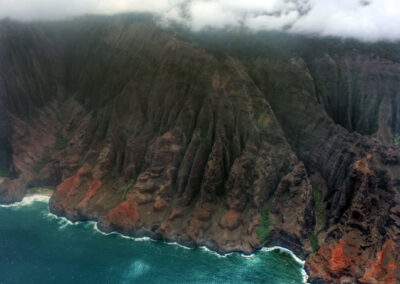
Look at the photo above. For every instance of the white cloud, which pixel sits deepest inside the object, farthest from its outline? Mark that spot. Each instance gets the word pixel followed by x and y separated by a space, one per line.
pixel 268 22
pixel 207 13
pixel 350 18
pixel 365 19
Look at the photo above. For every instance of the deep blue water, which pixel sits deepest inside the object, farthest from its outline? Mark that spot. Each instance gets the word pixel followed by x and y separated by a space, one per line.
pixel 37 247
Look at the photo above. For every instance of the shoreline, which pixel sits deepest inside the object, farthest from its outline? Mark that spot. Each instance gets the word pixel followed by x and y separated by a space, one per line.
pixel 45 197
pixel 43 191
pixel 48 194
pixel 27 200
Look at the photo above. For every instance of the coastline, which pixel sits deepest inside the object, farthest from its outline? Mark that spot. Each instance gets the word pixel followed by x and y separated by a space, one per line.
pixel 27 200
pixel 45 195
pixel 40 191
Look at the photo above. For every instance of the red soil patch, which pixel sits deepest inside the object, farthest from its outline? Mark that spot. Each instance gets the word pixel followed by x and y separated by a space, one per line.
pixel 93 189
pixel 383 268
pixel 336 259
pixel 159 205
pixel 231 220
pixel 341 257
pixel 175 213
pixel 70 185
pixel 127 210
pixel 362 165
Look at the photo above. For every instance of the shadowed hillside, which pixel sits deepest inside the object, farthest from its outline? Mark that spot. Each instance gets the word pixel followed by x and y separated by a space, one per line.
pixel 228 139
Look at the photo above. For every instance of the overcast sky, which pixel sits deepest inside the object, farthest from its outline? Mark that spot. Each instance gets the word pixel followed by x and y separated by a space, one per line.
pixel 364 19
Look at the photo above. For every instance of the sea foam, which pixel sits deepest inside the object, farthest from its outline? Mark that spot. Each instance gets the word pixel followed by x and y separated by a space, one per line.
pixel 295 257
pixel 29 200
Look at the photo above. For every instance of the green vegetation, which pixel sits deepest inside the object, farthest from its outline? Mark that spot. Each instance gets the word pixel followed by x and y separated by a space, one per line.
pixel 314 242
pixel 265 225
pixel 396 139
pixel 61 141
pixel 116 182
pixel 111 178
pixel 381 216
pixel 40 189
pixel 319 207
pixel 124 188
pixel 4 171
pixel 41 164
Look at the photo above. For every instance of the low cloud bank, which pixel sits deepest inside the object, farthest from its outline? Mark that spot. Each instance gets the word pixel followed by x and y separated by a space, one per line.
pixel 363 19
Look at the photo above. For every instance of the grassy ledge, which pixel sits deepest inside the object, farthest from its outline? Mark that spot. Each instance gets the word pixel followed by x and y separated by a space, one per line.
pixel 41 164
pixel 265 226
pixel 41 190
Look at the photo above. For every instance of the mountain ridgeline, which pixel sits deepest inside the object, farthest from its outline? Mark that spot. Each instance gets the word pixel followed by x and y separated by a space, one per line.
pixel 229 139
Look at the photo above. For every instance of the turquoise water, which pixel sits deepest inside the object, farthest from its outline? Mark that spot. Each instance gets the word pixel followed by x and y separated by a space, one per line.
pixel 37 247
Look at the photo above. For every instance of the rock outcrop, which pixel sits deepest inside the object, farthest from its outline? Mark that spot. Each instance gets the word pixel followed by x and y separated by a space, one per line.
pixel 174 135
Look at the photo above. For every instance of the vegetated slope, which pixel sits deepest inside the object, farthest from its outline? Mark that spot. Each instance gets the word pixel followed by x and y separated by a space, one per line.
pixel 231 140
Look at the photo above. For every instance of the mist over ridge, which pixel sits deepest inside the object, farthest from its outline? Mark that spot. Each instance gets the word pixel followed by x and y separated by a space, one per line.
pixel 368 20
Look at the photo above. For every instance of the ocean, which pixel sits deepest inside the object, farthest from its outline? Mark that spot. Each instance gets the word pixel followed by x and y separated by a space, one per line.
pixel 38 247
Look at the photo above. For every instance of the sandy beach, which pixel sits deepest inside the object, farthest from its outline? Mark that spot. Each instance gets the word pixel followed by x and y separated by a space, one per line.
pixel 44 191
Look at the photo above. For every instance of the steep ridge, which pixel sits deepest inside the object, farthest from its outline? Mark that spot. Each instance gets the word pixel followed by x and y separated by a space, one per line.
pixel 358 191
pixel 360 92
pixel 153 134
pixel 29 76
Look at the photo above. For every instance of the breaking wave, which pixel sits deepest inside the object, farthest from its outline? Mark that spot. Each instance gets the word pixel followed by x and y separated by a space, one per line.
pixel 138 268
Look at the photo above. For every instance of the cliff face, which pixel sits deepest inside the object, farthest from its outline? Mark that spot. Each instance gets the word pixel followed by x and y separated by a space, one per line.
pixel 360 92
pixel 355 184
pixel 153 133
